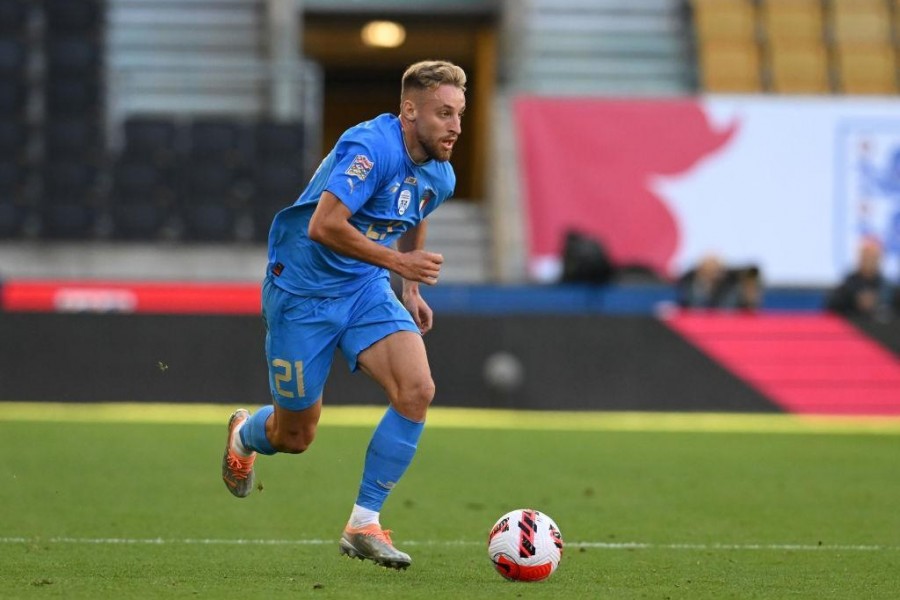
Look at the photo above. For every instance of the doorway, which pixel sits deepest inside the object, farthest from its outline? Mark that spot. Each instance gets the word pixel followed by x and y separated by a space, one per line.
pixel 361 82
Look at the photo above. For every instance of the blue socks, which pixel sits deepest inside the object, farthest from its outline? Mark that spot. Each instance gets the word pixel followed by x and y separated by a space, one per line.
pixel 253 432
pixel 390 452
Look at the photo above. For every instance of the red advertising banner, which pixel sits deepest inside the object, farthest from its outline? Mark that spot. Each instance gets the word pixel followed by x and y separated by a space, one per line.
pixel 126 297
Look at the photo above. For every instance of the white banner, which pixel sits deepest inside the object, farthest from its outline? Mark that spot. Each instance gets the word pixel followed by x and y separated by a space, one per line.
pixel 794 190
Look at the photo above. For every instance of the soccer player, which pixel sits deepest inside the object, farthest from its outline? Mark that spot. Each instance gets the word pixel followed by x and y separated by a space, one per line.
pixel 327 286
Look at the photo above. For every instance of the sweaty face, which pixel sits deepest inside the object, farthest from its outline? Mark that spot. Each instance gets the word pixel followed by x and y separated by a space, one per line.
pixel 438 123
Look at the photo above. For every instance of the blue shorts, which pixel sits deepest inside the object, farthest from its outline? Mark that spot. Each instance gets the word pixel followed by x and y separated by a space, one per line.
pixel 304 331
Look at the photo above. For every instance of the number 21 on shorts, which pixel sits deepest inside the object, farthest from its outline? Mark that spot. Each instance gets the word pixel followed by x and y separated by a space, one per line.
pixel 284 373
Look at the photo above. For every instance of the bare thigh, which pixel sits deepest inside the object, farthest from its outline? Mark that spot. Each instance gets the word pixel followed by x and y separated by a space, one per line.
pixel 399 364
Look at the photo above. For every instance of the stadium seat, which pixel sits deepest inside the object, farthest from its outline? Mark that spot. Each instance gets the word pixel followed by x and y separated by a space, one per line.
pixel 276 184
pixel 12 96
pixel 72 55
pixel 70 176
pixel 13 57
pixel 792 21
pixel 67 217
pixel 727 45
pixel 13 209
pixel 799 68
pixel 11 178
pixel 278 141
pixel 217 140
pixel 73 16
pixel 68 202
pixel 138 220
pixel 730 67
pixel 13 212
pixel 263 211
pixel 12 216
pixel 209 201
pixel 209 179
pixel 280 181
pixel 724 20
pixel 209 221
pixel 153 138
pixel 136 179
pixel 895 9
pixel 870 69
pixel 13 16
pixel 13 138
pixel 72 96
pixel 141 199
pixel 72 138
pixel 860 21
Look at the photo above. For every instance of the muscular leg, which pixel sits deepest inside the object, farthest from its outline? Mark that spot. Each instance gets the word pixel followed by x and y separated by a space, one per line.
pixel 300 340
pixel 292 431
pixel 399 364
pixel 275 429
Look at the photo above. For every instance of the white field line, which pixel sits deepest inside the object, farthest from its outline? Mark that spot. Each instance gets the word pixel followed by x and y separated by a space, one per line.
pixel 319 542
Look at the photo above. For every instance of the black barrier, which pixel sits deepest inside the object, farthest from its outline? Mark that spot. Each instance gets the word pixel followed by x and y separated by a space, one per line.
pixel 885 332
pixel 590 362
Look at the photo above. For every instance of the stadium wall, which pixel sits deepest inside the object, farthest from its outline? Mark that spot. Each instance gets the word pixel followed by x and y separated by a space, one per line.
pixel 567 362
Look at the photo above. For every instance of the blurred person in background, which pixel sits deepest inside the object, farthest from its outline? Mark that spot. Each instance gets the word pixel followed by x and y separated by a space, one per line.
pixel 327 286
pixel 864 292
pixel 712 285
pixel 748 290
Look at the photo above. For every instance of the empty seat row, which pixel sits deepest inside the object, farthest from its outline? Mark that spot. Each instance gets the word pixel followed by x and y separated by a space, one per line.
pixel 88 216
pixel 213 167
pixel 13 16
pixel 834 21
pixel 73 16
pixel 798 46
pixel 162 139
pixel 136 195
pixel 60 16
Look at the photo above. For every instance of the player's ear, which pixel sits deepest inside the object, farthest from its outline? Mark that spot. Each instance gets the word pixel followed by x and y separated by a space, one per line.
pixel 408 109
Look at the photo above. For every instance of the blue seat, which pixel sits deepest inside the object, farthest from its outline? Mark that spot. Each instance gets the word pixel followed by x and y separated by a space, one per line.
pixel 73 16
pixel 13 57
pixel 152 138
pixel 14 16
pixel 72 137
pixel 13 139
pixel 72 55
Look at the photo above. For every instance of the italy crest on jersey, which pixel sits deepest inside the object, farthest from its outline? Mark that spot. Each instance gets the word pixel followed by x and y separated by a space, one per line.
pixel 427 195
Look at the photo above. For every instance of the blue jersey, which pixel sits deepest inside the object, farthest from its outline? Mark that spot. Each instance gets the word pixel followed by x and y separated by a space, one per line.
pixel 370 171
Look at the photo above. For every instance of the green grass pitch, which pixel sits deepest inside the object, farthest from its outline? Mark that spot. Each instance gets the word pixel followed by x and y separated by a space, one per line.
pixel 125 501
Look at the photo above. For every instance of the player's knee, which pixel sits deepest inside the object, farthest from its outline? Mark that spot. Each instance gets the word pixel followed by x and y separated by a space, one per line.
pixel 413 400
pixel 422 393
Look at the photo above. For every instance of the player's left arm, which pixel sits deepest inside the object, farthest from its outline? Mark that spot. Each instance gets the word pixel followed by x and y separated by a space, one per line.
pixel 414 239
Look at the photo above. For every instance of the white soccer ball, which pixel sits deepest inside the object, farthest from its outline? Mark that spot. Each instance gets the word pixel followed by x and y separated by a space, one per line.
pixel 525 545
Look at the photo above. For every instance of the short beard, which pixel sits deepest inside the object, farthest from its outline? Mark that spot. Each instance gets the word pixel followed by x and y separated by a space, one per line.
pixel 435 151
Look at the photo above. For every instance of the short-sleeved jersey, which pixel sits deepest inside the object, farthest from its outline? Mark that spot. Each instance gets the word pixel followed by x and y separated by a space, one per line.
pixel 387 193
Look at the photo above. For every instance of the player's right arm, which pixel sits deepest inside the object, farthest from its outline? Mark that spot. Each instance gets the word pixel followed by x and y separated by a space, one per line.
pixel 330 226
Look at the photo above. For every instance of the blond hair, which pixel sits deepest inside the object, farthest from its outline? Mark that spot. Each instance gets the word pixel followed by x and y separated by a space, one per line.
pixel 429 74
